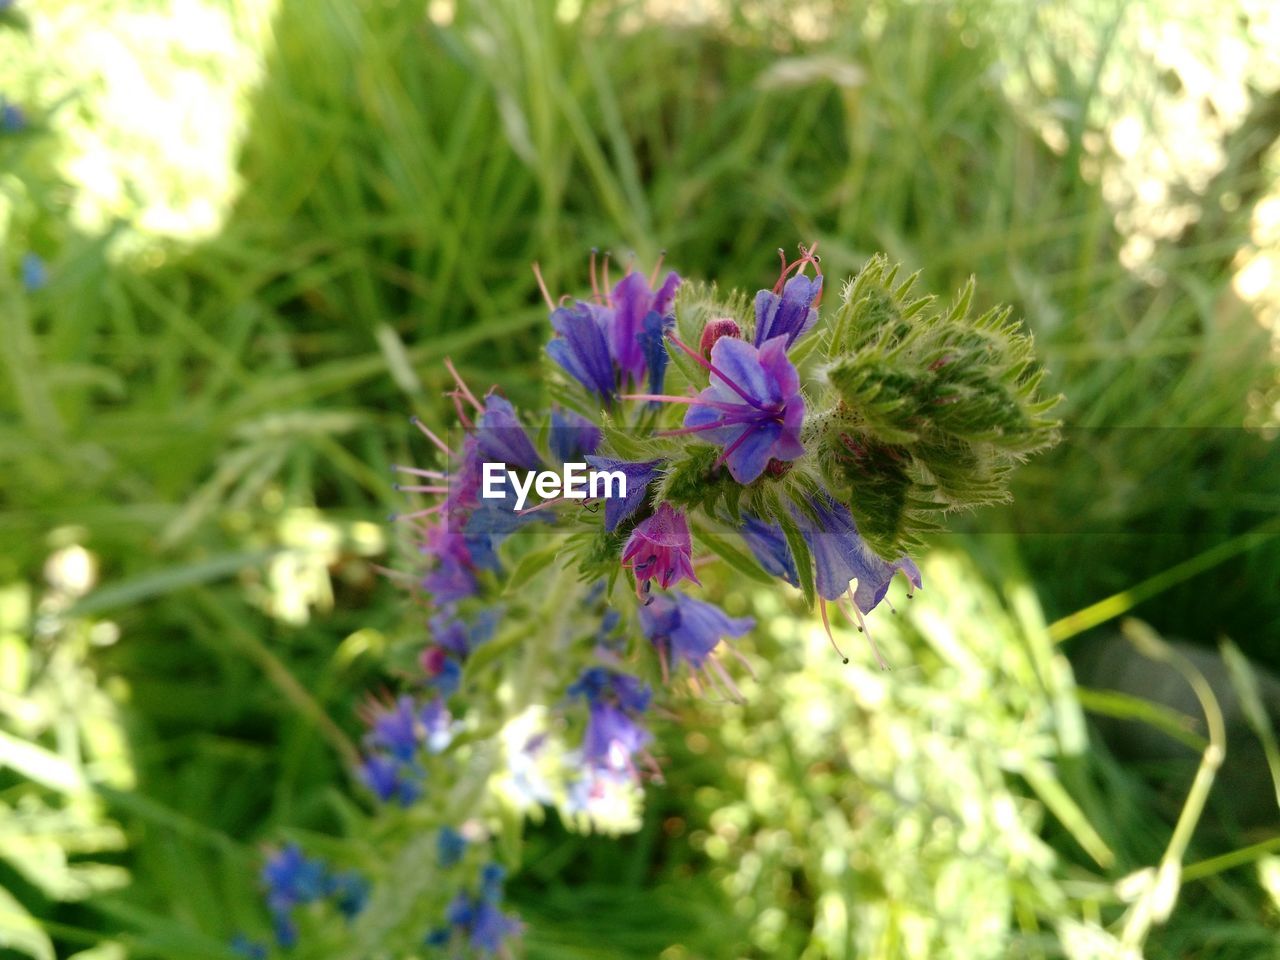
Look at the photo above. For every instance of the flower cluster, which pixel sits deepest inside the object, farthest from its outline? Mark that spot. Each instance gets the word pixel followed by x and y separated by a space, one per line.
pixel 292 880
pixel 550 628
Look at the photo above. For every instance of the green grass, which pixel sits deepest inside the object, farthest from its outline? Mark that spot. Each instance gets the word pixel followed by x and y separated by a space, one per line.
pixel 171 404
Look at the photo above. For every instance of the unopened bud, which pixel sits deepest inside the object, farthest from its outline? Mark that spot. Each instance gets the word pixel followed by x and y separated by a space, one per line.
pixel 432 660
pixel 714 330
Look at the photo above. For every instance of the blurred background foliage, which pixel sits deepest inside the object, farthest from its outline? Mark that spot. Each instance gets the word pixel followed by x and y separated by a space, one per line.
pixel 260 226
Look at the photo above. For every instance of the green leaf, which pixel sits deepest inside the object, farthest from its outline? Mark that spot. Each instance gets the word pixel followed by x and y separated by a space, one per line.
pixel 800 551
pixel 530 566
pixel 740 561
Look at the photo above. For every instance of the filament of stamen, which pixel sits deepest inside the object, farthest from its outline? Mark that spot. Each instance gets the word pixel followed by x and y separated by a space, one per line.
pixel 865 629
pixel 397 517
pixel 734 693
pixel 462 386
pixel 459 409
pixel 426 432
pixel 657 267
pixel 741 659
pixel 419 472
pixel 419 488
pixel 394 574
pixel 595 285
pixel 822 607
pixel 728 451
pixel 672 398
pixel 542 285
pixel 708 365
pixel 541 506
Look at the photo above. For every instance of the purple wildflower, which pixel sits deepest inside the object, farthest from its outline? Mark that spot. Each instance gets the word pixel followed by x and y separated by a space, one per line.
pixel 660 547
pixel 633 302
pixel 437 724
pixel 639 475
pixel 241 944
pixel 12 118
pixel 458 637
pixel 450 846
pixel 387 779
pixel 502 436
pixel 687 630
pixel 769 545
pixel 291 879
pixel 478 919
pixel 840 555
pixel 492 522
pixel 753 406
pixel 581 347
pixel 394 728
pixel 612 737
pixel 790 315
pixel 350 892
pixel 35 275
pixel 452 577
pixel 653 336
pixel 613 733
pixel 572 436
pixel 617 339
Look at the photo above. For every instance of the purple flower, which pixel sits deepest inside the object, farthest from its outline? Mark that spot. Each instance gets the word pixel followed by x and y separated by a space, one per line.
pixel 464 482
pixel 581 347
pixel 450 846
pixel 660 547
pixel 639 475
pixel 35 275
pixel 350 892
pixel 394 728
pixel 653 336
pixel 452 577
pixel 240 944
pixel 790 315
pixel 611 738
pixel 769 545
pixel 492 522
pixel 632 303
pixel 572 437
pixel 437 724
pixel 598 685
pixel 479 918
pixel 444 674
pixel 12 118
pixel 840 555
pixel 753 406
pixel 502 436
pixel 613 733
pixel 603 345
pixel 386 779
pixel 290 878
pixel 458 637
pixel 685 629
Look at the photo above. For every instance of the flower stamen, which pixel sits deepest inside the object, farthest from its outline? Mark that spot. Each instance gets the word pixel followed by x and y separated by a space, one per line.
pixel 542 285
pixel 826 623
